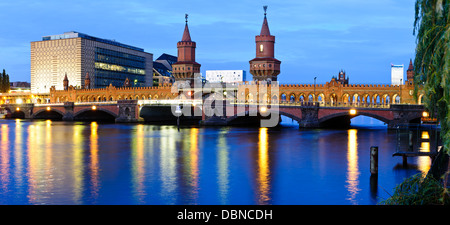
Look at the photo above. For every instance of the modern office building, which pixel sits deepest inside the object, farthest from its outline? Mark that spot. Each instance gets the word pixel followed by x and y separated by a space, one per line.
pixel 78 55
pixel 397 74
pixel 162 70
pixel 225 76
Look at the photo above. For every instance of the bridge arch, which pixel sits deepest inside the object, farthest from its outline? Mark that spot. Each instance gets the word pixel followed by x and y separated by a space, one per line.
pixel 97 114
pixel 420 99
pixel 48 114
pixel 258 116
pixel 347 115
pixel 292 97
pixel 15 112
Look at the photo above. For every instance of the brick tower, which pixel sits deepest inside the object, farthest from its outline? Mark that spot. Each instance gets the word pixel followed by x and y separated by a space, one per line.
pixel 186 68
pixel 265 67
pixel 66 82
pixel 410 71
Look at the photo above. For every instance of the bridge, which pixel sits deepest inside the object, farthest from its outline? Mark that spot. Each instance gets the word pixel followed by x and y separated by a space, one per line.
pixel 311 114
pixel 219 112
pixel 118 111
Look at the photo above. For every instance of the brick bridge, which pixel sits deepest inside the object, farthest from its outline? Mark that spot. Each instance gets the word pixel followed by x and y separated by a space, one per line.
pixel 311 115
pixel 119 111
pixel 308 115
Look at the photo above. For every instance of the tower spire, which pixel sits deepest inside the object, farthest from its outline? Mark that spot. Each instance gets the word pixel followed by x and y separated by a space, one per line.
pixel 186 35
pixel 265 67
pixel 265 27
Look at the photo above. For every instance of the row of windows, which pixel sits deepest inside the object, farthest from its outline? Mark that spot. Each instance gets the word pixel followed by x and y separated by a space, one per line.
pixel 119 61
pixel 263 65
pixel 118 75
pixel 123 69
pixel 104 51
pixel 105 81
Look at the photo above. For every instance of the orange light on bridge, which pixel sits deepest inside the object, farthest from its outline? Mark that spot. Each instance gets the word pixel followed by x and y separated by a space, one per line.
pixel 263 109
pixel 17 109
pixel 94 107
pixel 48 108
pixel 352 111
pixel 425 114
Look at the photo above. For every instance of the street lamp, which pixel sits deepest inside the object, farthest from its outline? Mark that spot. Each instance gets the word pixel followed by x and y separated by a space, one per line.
pixel 400 91
pixel 314 97
pixel 178 114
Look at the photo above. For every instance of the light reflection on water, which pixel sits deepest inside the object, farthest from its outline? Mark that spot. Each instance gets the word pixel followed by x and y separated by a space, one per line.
pixel 45 162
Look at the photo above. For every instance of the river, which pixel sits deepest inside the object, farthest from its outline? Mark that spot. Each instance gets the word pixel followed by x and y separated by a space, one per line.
pixel 45 162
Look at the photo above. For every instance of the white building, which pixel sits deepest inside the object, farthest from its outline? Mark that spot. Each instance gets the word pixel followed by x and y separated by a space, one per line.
pixel 397 74
pixel 225 76
pixel 77 54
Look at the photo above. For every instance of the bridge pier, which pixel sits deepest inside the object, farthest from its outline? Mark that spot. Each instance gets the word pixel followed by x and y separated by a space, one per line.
pixel 214 113
pixel 310 116
pixel 68 115
pixel 404 114
pixel 127 111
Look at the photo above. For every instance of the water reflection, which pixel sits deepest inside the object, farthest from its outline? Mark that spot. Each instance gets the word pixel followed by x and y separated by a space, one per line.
pixel 352 166
pixel 190 157
pixel 223 166
pixel 78 166
pixel 167 160
pixel 138 164
pixel 45 162
pixel 4 155
pixel 94 164
pixel 424 163
pixel 263 167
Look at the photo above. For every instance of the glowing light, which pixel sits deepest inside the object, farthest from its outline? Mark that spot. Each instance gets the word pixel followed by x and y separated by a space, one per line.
pixel 94 107
pixel 48 108
pixel 19 101
pixel 425 114
pixel 17 109
pixel 352 165
pixel 263 109
pixel 352 112
pixel 425 135
pixel 263 166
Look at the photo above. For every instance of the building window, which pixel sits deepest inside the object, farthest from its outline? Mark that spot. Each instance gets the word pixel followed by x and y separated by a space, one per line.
pixel 261 48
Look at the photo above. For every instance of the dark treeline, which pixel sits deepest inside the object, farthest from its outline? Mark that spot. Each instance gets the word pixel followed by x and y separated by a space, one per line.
pixel 4 82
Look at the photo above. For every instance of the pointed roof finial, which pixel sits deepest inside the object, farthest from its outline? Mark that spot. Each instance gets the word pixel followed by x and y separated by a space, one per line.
pixel 410 67
pixel 265 27
pixel 186 35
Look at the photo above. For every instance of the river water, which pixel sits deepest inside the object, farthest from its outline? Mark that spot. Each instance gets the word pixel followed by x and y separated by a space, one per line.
pixel 56 162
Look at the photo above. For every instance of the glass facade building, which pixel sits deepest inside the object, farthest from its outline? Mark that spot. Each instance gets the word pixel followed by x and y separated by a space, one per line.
pixel 76 54
pixel 113 67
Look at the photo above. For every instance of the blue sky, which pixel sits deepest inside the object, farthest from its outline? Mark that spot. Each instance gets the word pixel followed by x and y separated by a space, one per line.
pixel 313 38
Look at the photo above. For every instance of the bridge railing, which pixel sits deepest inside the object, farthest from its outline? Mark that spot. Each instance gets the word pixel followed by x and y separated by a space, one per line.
pixel 170 102
pixel 96 103
pixel 49 104
pixel 320 104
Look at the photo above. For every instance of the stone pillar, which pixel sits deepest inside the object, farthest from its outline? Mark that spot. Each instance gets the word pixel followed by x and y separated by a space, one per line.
pixel 403 114
pixel 310 115
pixel 214 112
pixel 127 111
pixel 68 115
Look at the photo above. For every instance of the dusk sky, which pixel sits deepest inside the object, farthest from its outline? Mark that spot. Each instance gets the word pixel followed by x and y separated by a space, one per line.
pixel 313 38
